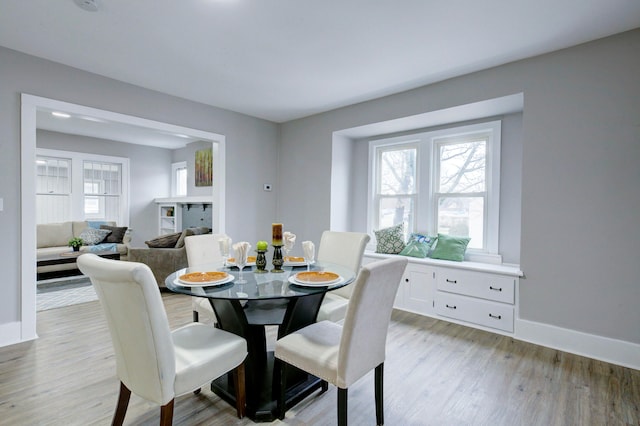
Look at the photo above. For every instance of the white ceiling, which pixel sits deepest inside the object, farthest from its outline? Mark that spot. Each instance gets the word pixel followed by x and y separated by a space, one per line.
pixel 285 59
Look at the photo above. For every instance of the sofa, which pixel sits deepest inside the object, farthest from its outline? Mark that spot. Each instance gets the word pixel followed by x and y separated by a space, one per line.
pixel 53 239
pixel 165 254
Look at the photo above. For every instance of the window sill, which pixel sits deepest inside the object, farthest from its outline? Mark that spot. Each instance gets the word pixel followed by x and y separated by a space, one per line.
pixel 503 269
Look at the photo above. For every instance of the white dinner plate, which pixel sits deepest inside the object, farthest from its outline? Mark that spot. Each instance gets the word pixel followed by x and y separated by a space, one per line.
pixel 287 263
pixel 292 280
pixel 182 283
pixel 253 263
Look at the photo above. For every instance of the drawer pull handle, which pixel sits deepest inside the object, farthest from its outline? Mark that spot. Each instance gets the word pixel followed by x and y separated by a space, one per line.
pixel 495 288
pixel 406 280
pixel 452 307
pixel 452 281
pixel 495 316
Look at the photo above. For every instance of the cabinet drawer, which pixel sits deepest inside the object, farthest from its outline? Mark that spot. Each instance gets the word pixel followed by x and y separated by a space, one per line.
pixel 482 312
pixel 477 284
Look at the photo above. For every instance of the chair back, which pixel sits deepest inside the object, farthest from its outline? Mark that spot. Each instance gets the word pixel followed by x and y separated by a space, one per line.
pixel 343 248
pixel 137 321
pixel 364 333
pixel 202 249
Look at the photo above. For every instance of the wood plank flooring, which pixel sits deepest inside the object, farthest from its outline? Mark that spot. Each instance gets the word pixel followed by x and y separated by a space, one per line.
pixel 436 373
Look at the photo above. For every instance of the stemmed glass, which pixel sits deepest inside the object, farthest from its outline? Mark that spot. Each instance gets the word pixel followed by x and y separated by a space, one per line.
pixel 241 262
pixel 309 253
pixel 224 243
pixel 240 250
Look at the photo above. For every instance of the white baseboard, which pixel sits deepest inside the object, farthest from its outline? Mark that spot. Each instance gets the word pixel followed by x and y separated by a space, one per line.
pixel 10 333
pixel 619 352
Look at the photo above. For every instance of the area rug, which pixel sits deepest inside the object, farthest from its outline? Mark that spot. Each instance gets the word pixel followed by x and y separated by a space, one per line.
pixel 57 293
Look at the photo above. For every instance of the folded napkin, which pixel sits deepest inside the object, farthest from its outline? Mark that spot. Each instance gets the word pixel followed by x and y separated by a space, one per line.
pixel 289 240
pixel 240 251
pixel 309 250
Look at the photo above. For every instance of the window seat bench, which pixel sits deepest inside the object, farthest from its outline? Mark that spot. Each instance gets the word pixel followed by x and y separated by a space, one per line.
pixel 480 295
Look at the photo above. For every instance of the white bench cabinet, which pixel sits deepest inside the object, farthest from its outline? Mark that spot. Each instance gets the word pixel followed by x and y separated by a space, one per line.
pixel 475 294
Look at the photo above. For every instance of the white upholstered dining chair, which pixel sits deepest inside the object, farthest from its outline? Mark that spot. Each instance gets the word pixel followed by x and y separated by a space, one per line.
pixel 343 354
pixel 152 361
pixel 346 249
pixel 203 249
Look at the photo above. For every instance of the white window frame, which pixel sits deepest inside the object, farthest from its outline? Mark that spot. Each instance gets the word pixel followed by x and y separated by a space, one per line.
pixel 426 170
pixel 376 196
pixel 77 183
pixel 174 178
pixel 43 197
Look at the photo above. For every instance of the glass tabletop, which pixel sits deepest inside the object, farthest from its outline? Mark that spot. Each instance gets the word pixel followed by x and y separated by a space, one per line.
pixel 269 285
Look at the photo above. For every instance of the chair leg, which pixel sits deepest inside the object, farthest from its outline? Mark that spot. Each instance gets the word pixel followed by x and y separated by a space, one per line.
pixel 281 390
pixel 379 372
pixel 342 407
pixel 196 316
pixel 166 414
pixel 241 394
pixel 121 408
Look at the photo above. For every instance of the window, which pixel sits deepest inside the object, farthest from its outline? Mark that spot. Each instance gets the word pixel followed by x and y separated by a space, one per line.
pixel 80 186
pixel 395 186
pixel 53 189
pixel 460 188
pixel 102 190
pixel 179 179
pixel 444 181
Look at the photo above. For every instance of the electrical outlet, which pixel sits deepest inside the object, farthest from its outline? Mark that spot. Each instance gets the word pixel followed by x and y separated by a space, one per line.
pixel 267 187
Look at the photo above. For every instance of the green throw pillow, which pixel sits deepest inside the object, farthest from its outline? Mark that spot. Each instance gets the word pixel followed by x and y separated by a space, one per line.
pixel 390 240
pixel 450 248
pixel 418 245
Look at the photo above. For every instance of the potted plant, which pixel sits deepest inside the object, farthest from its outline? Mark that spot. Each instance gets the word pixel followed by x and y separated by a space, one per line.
pixel 75 243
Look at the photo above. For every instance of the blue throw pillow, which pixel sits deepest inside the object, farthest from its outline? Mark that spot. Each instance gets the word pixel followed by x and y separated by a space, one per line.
pixel 418 245
pixel 103 247
pixel 95 224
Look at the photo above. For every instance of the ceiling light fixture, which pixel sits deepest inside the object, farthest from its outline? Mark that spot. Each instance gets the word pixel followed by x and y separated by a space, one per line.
pixel 88 5
pixel 60 114
pixel 93 119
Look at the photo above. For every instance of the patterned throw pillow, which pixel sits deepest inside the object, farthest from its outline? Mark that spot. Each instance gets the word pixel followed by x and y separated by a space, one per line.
pixel 92 236
pixel 390 240
pixel 418 245
pixel 450 248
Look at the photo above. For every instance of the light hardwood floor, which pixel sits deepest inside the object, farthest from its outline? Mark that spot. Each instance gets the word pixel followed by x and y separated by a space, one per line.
pixel 436 373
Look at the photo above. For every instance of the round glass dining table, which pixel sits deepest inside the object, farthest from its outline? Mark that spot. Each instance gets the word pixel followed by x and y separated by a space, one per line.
pixel 244 305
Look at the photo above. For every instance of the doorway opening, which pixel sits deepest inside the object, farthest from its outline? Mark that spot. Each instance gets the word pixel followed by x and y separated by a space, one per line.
pixel 30 107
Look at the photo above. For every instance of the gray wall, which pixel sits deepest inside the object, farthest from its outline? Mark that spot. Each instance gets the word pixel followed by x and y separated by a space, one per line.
pixel 245 136
pixel 188 154
pixel 149 175
pixel 580 176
